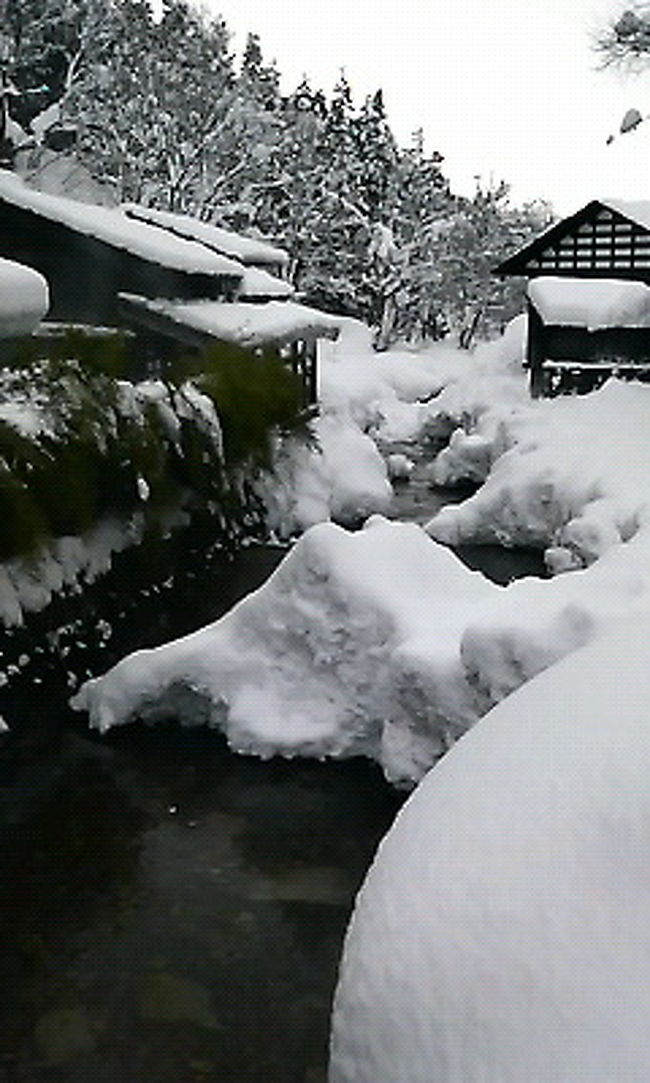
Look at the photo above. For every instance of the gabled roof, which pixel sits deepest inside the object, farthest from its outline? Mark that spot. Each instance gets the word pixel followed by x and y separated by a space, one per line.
pixel 247 250
pixel 113 227
pixel 636 212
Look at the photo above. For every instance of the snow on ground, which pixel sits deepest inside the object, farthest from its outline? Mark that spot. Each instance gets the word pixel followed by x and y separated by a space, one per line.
pixel 24 299
pixel 568 475
pixel 377 642
pixel 344 659
pixel 502 931
pixel 370 401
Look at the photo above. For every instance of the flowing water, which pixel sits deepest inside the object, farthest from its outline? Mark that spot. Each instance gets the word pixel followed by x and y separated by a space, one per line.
pixel 169 912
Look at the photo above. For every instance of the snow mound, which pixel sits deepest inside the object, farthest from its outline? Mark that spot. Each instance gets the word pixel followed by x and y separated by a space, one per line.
pixel 568 475
pixel 502 932
pixel 341 476
pixel 376 642
pixel 24 298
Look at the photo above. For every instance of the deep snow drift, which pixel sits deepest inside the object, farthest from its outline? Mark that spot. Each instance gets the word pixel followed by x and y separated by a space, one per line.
pixel 381 641
pixel 502 932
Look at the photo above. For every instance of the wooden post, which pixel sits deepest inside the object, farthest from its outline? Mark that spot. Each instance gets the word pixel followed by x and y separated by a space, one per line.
pixel 311 372
pixel 535 352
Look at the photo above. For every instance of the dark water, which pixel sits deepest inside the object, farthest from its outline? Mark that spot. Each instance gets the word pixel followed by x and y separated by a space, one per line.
pixel 172 913
pixel 169 912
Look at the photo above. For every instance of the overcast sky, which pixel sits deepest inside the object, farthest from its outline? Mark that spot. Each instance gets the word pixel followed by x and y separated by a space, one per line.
pixel 507 89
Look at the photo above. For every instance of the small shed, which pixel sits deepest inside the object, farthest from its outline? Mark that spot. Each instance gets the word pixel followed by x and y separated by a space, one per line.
pixel 587 297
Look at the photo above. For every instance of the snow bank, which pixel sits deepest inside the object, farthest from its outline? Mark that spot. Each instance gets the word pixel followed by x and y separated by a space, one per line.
pixel 111 226
pixel 24 298
pixel 378 642
pixel 567 475
pixel 591 303
pixel 502 931
pixel 340 476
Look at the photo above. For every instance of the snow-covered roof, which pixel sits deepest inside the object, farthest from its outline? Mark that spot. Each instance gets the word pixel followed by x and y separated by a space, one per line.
pixel 247 325
pixel 591 302
pixel 636 210
pixel 259 283
pixel 247 250
pixel 113 227
pixel 24 298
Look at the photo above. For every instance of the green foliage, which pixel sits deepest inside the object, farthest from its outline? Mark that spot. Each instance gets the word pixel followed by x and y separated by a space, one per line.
pixel 255 396
pixel 109 353
pixel 84 452
pixel 76 444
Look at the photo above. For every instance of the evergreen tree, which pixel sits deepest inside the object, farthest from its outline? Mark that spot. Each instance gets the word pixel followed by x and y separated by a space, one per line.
pixel 162 114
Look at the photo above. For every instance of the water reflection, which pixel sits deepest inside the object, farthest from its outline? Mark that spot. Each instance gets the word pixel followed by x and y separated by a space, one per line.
pixel 174 913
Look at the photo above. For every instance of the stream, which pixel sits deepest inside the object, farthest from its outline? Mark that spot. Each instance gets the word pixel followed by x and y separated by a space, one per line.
pixel 171 912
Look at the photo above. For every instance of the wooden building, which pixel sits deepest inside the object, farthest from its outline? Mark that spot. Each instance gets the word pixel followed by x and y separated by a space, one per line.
pixel 152 272
pixel 571 346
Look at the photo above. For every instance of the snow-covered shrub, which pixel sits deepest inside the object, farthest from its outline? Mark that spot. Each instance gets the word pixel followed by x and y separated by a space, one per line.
pixel 77 445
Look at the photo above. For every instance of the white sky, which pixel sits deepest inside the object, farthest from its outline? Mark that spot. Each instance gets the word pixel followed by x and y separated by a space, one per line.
pixel 505 89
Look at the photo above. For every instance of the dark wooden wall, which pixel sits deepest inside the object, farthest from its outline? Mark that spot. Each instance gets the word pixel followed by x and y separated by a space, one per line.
pixel 587 357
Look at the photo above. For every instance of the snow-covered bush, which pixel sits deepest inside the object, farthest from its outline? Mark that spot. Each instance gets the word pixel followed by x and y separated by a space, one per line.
pixel 76 446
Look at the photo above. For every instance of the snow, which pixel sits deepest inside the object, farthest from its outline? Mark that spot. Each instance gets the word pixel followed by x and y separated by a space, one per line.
pixel 24 298
pixel 111 226
pixel 342 477
pixel 381 641
pixel 636 210
pixel 248 250
pixel 258 283
pixel 568 474
pixel 247 325
pixel 591 303
pixel 502 932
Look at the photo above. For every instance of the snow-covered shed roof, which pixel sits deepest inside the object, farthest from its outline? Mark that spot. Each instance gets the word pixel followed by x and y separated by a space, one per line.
pixel 591 302
pixel 247 325
pixel 115 228
pixel 248 250
pixel 636 210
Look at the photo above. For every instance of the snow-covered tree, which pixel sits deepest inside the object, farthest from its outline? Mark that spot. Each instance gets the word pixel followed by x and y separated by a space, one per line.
pixel 162 114
pixel 626 38
pixel 47 43
pixel 150 105
pixel 446 276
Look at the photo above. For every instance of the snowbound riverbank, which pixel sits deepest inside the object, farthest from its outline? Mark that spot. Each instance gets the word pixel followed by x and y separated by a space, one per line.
pixel 502 932
pixel 380 641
